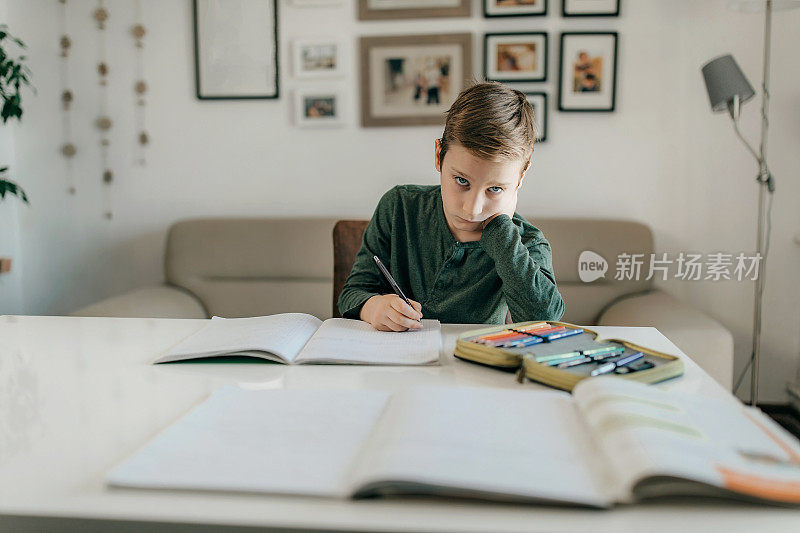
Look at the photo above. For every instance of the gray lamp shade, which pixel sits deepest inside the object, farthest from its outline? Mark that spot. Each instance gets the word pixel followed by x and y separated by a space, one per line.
pixel 724 80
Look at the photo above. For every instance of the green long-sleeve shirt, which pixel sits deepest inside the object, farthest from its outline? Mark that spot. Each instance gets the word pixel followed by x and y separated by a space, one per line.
pixel 509 268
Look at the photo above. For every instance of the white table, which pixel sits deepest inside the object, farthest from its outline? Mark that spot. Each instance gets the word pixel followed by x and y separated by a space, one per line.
pixel 78 395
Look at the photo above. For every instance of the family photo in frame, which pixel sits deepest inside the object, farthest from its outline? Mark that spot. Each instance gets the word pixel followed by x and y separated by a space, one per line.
pixel 411 9
pixel 412 80
pixel 587 71
pixel 515 56
pixel 514 8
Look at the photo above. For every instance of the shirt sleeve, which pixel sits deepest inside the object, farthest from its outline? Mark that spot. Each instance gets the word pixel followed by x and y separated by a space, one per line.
pixel 365 280
pixel 526 270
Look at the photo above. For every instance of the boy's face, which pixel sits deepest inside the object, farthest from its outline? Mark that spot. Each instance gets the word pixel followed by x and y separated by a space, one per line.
pixel 475 190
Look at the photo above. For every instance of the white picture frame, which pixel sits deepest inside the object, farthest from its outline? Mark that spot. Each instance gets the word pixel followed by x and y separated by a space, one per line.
pixel 236 49
pixel 319 107
pixel 538 101
pixel 315 3
pixel 588 71
pixel 317 58
pixel 525 53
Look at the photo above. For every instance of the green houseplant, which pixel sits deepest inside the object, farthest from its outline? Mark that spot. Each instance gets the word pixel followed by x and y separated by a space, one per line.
pixel 13 76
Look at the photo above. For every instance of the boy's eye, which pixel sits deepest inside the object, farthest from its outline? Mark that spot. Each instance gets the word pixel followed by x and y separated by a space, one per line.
pixel 461 181
pixel 495 189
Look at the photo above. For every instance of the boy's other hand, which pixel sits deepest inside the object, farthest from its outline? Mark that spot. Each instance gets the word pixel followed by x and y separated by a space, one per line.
pixel 508 209
pixel 388 312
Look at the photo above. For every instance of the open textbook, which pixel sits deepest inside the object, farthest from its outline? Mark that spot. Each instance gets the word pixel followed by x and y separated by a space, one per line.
pixel 613 441
pixel 298 338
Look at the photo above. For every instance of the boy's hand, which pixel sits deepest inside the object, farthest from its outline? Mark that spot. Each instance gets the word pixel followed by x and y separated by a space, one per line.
pixel 388 312
pixel 507 209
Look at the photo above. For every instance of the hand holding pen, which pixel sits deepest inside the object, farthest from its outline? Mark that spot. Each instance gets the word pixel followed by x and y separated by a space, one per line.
pixel 391 312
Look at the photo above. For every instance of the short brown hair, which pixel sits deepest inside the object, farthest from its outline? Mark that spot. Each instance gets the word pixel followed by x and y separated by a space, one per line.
pixel 492 121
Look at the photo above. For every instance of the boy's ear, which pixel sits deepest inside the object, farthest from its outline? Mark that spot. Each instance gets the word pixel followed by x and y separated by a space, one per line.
pixel 522 176
pixel 436 152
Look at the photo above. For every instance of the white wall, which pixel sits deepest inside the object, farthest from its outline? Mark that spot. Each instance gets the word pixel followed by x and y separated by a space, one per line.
pixel 661 158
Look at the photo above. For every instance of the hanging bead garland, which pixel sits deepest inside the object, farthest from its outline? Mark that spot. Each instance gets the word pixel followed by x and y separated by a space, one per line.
pixel 140 87
pixel 68 149
pixel 104 122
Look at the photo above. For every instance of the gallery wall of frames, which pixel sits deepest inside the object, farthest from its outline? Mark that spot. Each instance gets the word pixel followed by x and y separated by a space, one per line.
pixel 411 79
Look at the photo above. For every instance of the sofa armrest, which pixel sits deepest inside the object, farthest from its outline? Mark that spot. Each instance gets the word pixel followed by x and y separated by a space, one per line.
pixel 163 301
pixel 699 336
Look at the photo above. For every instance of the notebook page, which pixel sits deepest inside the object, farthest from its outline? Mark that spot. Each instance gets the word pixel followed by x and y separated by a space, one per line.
pixel 490 443
pixel 345 341
pixel 283 335
pixel 270 441
pixel 706 440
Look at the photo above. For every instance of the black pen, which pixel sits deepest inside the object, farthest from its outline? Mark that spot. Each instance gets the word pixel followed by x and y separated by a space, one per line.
pixel 391 281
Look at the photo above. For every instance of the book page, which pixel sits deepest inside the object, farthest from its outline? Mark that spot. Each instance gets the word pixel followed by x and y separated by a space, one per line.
pixel 650 434
pixel 485 443
pixel 345 341
pixel 271 441
pixel 275 337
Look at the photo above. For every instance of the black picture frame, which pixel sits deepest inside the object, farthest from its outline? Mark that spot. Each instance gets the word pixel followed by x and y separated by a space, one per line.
pixel 545 113
pixel 486 13
pixel 561 106
pixel 564 12
pixel 275 58
pixel 545 54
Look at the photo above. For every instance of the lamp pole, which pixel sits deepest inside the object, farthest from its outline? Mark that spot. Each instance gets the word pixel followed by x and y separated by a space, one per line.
pixel 764 180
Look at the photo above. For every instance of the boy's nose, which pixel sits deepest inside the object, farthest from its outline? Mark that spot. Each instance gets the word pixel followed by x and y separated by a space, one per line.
pixel 473 206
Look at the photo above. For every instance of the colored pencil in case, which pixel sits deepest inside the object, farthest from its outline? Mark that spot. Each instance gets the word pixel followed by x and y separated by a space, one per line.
pixel 556 357
pixel 561 334
pixel 530 341
pixel 575 362
pixel 604 349
pixel 506 333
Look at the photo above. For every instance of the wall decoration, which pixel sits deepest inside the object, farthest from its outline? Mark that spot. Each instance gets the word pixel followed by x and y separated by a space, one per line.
pixel 319 108
pixel 539 102
pixel 103 121
pixel 411 9
pixel 515 56
pixel 317 58
pixel 315 3
pixel 588 71
pixel 411 80
pixel 236 49
pixel 514 8
pixel 590 8
pixel 138 32
pixel 68 149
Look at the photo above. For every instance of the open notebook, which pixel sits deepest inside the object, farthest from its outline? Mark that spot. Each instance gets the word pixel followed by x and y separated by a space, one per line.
pixel 612 441
pixel 298 338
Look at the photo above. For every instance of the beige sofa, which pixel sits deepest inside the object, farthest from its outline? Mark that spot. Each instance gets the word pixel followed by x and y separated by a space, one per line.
pixel 252 267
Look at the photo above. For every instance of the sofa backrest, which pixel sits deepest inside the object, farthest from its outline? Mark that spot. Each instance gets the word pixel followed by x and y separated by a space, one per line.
pixel 259 266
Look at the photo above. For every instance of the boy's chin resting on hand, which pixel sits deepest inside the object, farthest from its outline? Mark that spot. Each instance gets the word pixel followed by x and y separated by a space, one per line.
pixel 388 312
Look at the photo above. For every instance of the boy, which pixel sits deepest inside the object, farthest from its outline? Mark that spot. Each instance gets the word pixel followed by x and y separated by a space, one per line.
pixel 458 250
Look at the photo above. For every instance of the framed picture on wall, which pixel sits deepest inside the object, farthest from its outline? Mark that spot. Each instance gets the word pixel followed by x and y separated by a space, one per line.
pixel 236 49
pixel 412 9
pixel 520 56
pixel 590 8
pixel 411 80
pixel 514 8
pixel 319 58
pixel 315 3
pixel 588 71
pixel 319 108
pixel 539 102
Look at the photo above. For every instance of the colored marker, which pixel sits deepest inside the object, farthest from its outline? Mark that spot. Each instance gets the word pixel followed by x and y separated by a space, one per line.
pixel 557 357
pixel 561 334
pixel 610 367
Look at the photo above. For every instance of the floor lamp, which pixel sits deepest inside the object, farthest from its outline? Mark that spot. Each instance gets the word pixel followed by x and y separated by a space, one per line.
pixel 728 89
